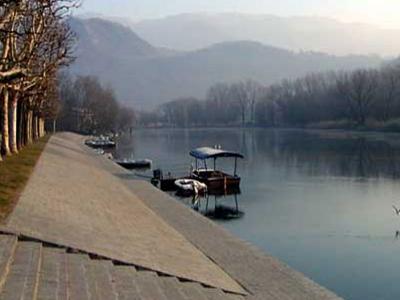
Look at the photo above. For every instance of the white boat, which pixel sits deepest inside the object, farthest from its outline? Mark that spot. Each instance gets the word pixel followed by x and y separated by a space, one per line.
pixel 100 142
pixel 190 187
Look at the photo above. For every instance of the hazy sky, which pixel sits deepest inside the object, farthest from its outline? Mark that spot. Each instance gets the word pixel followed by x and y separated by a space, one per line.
pixel 382 12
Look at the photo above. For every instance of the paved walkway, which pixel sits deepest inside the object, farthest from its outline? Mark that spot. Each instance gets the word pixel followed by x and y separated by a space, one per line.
pixel 73 201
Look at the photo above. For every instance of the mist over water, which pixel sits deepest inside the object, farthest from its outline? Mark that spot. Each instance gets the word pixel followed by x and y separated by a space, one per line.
pixel 319 201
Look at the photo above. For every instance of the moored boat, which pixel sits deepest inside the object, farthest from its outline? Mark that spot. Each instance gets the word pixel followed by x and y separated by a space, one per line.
pixel 134 164
pixel 100 142
pixel 213 178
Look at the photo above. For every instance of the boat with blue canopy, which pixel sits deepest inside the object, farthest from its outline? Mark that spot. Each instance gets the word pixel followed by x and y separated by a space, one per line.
pixel 213 178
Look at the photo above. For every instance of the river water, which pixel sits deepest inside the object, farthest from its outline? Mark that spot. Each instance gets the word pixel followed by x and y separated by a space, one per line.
pixel 320 201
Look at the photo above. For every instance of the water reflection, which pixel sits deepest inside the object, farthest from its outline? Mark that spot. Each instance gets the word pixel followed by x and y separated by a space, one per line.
pixel 329 154
pixel 216 206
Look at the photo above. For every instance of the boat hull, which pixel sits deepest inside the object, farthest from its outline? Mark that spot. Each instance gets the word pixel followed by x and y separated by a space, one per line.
pixel 132 166
pixel 218 180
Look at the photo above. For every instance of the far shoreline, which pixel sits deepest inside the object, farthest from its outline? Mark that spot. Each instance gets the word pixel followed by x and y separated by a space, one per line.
pixel 310 129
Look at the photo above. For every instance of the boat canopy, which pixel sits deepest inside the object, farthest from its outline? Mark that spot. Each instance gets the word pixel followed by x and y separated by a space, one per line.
pixel 208 152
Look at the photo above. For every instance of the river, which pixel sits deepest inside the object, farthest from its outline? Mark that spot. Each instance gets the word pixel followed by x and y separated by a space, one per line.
pixel 320 201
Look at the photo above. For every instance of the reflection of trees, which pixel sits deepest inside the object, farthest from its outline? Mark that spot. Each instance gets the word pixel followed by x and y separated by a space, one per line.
pixel 331 155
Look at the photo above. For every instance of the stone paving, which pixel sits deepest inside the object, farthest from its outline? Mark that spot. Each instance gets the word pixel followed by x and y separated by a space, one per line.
pixel 72 201
pixel 34 270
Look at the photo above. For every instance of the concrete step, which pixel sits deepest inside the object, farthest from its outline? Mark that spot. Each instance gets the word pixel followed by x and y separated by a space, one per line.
pixel 125 284
pixel 194 291
pixel 23 277
pixel 31 270
pixel 8 245
pixel 172 288
pixel 52 281
pixel 77 283
pixel 149 286
pixel 100 281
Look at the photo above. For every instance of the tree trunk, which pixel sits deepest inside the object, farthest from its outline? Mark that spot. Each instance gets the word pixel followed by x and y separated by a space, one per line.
pixel 42 130
pixel 20 127
pixel 5 145
pixel 54 126
pixel 14 120
pixel 35 127
pixel 29 127
pixel 21 124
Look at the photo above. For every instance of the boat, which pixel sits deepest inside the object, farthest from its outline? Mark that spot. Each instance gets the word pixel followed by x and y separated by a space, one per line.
pixel 134 164
pixel 213 178
pixel 100 142
pixel 190 187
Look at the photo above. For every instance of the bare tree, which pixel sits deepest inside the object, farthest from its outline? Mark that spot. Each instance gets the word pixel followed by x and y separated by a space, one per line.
pixel 388 92
pixel 358 90
pixel 35 41
pixel 220 106
pixel 246 93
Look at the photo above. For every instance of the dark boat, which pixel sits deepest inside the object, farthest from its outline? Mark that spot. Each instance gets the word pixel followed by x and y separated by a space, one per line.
pixel 214 178
pixel 131 164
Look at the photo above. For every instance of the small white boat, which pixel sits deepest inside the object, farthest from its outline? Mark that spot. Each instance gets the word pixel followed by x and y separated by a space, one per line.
pixel 190 187
pixel 100 142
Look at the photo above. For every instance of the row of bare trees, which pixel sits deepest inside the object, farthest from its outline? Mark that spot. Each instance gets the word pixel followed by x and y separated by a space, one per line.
pixel 91 108
pixel 35 42
pixel 352 98
pixel 226 104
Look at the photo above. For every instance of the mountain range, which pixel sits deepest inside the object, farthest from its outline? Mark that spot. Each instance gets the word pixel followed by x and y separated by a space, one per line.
pixel 195 31
pixel 144 75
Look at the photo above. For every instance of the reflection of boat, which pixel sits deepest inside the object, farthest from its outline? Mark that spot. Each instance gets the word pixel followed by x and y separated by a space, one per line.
pixel 134 164
pixel 189 187
pixel 214 178
pixel 223 212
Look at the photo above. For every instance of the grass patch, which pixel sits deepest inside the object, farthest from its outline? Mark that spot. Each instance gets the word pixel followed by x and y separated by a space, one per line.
pixel 14 174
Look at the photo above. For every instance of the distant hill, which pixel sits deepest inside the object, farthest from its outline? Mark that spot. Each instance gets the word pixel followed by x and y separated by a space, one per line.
pixel 145 76
pixel 195 31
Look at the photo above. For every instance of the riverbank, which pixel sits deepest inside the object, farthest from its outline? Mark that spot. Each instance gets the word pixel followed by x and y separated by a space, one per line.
pixel 15 172
pixel 81 201
pixel 391 126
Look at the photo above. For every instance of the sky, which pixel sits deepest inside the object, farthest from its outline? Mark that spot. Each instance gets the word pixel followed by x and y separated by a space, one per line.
pixel 384 13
